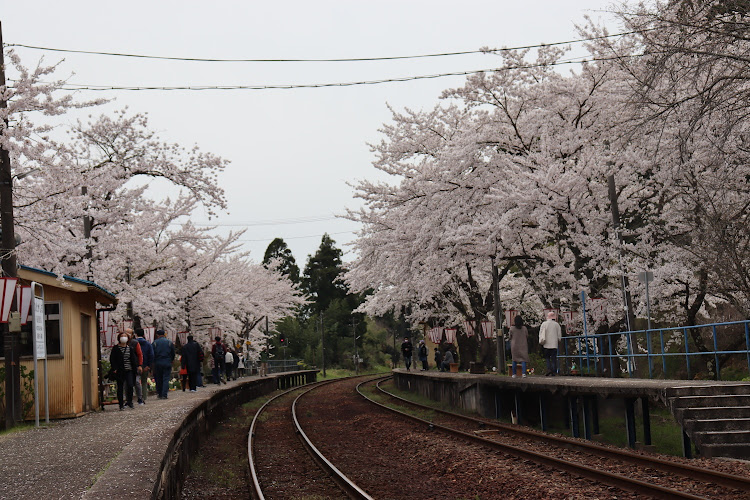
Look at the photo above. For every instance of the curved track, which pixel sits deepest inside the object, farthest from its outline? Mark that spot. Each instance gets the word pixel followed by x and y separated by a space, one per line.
pixel 282 459
pixel 620 468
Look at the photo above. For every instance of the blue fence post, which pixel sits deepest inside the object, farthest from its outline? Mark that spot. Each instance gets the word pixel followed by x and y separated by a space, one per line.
pixel 747 343
pixel 585 329
pixel 648 354
pixel 663 356
pixel 716 354
pixel 687 353
pixel 611 361
pixel 630 355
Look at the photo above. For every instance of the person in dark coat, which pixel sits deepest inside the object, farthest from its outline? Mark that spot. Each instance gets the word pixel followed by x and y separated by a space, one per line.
pixel 163 357
pixel 124 362
pixel 519 346
pixel 438 359
pixel 422 354
pixel 148 359
pixel 406 350
pixel 192 358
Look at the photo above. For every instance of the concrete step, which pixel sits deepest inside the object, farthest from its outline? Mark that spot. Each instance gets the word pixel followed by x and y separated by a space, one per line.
pixel 717 424
pixel 708 390
pixel 735 450
pixel 711 401
pixel 727 437
pixel 709 413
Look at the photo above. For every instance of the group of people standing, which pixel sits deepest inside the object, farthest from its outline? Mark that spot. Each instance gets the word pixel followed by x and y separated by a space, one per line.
pixel 550 335
pixel 226 361
pixel 131 361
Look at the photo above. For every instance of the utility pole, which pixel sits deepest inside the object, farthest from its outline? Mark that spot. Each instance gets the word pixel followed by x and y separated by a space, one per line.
pixel 8 257
pixel 498 324
pixel 629 315
pixel 356 354
pixel 87 236
pixel 323 344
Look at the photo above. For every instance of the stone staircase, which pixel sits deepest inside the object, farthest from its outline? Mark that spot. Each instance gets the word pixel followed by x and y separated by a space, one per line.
pixel 715 417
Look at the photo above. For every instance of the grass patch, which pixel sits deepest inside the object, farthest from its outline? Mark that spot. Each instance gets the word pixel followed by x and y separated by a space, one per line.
pixel 24 426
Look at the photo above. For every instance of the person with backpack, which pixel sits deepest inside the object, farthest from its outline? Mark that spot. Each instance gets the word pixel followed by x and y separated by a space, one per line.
pixel 217 353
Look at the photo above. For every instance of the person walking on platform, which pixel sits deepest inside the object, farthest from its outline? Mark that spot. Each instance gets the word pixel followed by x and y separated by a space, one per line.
pixel 406 351
pixel 192 358
pixel 163 357
pixel 229 363
pixel 263 368
pixel 438 359
pixel 217 353
pixel 236 363
pixel 447 360
pixel 241 365
pixel 519 346
pixel 124 362
pixel 550 335
pixel 422 353
pixel 148 358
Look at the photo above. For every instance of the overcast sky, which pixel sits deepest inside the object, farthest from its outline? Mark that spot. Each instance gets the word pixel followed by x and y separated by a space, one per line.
pixel 292 152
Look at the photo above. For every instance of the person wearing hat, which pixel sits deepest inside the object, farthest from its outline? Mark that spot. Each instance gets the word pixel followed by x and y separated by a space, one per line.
pixel 422 353
pixel 550 335
pixel 163 357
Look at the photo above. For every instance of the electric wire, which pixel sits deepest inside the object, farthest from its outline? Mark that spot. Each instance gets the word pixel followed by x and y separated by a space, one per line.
pixel 584 60
pixel 349 59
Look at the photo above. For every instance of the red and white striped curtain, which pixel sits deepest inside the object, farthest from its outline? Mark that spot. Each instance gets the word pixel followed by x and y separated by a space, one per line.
pixel 469 327
pixel 487 329
pixel 7 290
pixel 510 317
pixel 183 337
pixel 571 320
pixel 104 321
pixel 171 334
pixel 450 335
pixel 150 333
pixel 126 323
pixel 597 309
pixel 435 334
pixel 112 335
pixel 23 299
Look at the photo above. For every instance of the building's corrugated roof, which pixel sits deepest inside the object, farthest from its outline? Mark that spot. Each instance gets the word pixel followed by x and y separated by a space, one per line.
pixel 71 278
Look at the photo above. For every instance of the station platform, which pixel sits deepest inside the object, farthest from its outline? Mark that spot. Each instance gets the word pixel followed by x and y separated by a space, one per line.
pixel 713 415
pixel 120 454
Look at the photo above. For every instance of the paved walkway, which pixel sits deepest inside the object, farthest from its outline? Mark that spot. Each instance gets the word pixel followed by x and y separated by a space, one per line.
pixel 94 456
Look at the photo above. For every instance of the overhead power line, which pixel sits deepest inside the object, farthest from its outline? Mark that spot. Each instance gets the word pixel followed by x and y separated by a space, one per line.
pixel 277 222
pixel 346 59
pixel 582 60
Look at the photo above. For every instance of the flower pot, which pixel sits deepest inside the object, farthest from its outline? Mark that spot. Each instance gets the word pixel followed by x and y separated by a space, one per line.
pixel 454 367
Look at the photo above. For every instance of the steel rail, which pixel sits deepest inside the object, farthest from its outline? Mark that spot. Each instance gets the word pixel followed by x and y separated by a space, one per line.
pixel 257 490
pixel 622 482
pixel 690 471
pixel 347 485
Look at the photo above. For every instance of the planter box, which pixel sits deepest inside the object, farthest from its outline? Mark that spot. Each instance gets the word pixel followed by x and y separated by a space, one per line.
pixel 454 367
pixel 476 367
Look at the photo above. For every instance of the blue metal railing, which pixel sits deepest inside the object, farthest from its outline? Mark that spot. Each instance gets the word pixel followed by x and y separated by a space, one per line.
pixel 634 346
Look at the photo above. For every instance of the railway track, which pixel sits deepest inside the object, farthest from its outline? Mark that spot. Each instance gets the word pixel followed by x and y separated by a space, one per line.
pixel 283 462
pixel 641 474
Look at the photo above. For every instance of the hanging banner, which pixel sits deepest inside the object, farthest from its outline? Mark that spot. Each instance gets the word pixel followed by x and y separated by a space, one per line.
pixel 571 320
pixel 436 334
pixel 7 290
pixel 596 309
pixel 547 311
pixel 149 332
pixel 183 337
pixel 487 329
pixel 214 332
pixel 111 335
pixel 450 335
pixel 103 321
pixel 126 323
pixel 23 300
pixel 469 327
pixel 510 317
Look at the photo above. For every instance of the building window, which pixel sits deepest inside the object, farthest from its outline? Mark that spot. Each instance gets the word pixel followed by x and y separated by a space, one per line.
pixel 53 324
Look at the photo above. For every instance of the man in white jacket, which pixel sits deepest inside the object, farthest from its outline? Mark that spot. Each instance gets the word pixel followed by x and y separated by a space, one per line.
pixel 550 335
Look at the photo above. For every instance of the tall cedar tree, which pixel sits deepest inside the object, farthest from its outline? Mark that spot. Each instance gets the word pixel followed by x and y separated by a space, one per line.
pixel 278 249
pixel 321 279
